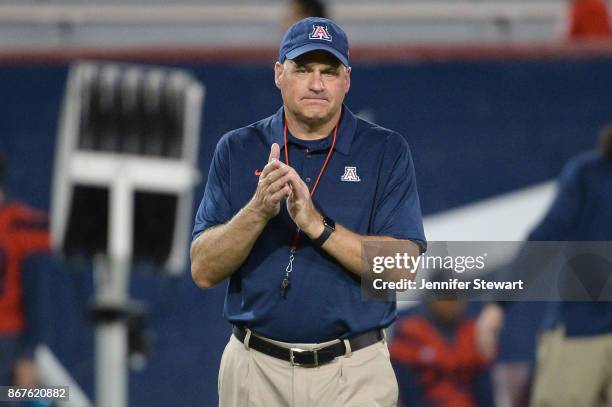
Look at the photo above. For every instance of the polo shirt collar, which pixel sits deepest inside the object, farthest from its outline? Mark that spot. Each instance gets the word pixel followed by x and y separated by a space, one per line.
pixel 346 131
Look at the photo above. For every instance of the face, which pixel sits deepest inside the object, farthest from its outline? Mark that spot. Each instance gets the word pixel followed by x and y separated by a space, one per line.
pixel 313 86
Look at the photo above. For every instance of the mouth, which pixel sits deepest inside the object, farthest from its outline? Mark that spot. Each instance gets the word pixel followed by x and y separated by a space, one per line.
pixel 314 99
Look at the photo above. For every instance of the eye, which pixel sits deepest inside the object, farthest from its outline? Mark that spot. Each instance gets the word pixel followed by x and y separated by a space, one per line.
pixel 330 73
pixel 300 69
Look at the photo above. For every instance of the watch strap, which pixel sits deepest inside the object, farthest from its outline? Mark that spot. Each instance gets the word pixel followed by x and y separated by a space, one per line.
pixel 329 226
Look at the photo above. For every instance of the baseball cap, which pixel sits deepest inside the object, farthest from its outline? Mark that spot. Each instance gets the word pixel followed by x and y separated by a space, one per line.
pixel 314 33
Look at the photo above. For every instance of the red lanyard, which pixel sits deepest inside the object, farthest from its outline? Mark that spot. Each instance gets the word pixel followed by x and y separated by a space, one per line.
pixel 286 282
pixel 296 235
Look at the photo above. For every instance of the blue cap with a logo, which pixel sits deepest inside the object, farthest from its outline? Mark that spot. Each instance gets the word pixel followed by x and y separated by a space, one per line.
pixel 314 33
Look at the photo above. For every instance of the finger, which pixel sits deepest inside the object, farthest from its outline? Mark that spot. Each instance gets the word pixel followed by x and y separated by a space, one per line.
pixel 274 152
pixel 297 184
pixel 279 183
pixel 276 174
pixel 271 166
pixel 282 193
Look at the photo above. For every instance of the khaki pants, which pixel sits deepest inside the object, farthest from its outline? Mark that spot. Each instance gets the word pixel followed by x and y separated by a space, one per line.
pixel 573 372
pixel 248 378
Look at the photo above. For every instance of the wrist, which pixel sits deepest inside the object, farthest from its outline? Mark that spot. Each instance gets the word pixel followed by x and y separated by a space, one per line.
pixel 315 227
pixel 255 212
pixel 323 233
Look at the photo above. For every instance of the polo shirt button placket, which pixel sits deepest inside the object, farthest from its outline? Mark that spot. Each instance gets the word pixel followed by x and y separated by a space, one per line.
pixel 308 155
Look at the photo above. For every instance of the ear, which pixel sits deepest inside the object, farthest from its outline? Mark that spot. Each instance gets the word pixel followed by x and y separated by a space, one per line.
pixel 278 72
pixel 347 80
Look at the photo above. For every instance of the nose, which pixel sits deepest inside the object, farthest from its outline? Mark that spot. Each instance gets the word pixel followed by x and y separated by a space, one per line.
pixel 316 82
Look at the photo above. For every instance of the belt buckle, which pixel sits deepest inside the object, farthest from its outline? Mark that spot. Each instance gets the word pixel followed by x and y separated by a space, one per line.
pixel 297 350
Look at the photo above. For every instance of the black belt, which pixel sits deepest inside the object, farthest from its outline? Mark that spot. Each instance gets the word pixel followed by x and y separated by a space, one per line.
pixel 309 358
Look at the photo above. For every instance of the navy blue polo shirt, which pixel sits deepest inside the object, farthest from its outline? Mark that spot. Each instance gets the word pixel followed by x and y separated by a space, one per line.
pixel 369 187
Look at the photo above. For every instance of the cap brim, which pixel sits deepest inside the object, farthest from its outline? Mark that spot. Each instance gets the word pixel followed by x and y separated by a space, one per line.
pixel 294 53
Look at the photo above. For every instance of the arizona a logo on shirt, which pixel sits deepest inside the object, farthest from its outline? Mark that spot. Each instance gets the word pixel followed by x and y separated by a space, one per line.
pixel 319 32
pixel 350 175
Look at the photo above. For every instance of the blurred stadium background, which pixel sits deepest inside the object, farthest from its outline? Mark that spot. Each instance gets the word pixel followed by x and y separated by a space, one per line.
pixel 493 97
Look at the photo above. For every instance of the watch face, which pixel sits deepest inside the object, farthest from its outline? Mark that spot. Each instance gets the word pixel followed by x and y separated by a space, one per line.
pixel 329 222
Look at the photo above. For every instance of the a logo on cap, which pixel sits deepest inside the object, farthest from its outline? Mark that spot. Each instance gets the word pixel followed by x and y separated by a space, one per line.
pixel 319 32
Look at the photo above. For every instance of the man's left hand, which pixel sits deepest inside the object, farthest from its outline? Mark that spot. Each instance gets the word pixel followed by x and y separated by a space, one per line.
pixel 301 208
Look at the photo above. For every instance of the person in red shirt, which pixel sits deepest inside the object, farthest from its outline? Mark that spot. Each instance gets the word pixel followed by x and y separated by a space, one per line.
pixel 437 344
pixel 23 233
pixel 589 19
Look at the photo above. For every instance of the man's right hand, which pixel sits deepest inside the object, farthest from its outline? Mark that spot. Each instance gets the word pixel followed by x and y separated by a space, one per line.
pixel 272 187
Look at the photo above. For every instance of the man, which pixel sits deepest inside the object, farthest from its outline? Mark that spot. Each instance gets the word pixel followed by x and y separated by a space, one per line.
pixel 23 234
pixel 573 362
pixel 289 236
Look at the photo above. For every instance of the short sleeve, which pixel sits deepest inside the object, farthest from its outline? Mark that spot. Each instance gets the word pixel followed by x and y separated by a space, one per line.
pixel 397 211
pixel 215 206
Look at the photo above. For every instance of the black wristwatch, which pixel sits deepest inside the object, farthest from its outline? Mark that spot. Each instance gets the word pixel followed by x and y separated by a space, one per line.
pixel 329 228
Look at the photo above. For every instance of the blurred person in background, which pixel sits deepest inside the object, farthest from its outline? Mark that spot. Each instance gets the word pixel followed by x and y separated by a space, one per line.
pixel 589 19
pixel 434 352
pixel 299 9
pixel 23 234
pixel 574 356
pixel 512 372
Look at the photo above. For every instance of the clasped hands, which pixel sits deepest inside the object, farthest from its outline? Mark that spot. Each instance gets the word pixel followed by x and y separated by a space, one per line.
pixel 277 181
